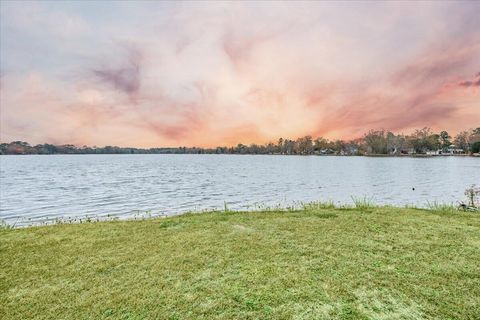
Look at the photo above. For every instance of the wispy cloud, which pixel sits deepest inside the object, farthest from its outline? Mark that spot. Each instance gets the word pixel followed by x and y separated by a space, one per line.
pixel 471 83
pixel 125 77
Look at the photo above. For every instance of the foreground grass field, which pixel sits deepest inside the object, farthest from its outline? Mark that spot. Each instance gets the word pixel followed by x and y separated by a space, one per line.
pixel 367 263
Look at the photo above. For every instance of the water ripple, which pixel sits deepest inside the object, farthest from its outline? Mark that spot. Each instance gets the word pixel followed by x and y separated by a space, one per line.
pixel 39 188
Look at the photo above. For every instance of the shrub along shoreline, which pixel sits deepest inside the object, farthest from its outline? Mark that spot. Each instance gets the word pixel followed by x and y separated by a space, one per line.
pixel 315 262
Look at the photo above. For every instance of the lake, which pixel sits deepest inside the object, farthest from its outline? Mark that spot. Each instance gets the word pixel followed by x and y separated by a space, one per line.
pixel 40 189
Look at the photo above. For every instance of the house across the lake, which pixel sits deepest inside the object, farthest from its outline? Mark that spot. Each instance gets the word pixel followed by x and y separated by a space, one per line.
pixel 452 149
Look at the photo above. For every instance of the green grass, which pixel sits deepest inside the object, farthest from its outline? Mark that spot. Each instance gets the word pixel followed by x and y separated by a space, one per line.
pixel 317 263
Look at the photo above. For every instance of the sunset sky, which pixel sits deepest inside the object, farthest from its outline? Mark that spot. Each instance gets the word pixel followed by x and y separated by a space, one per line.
pixel 219 73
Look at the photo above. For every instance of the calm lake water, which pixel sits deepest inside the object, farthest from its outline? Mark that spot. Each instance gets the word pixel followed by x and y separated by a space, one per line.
pixel 37 189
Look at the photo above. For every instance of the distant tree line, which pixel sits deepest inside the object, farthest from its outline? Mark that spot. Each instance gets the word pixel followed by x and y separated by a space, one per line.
pixel 374 142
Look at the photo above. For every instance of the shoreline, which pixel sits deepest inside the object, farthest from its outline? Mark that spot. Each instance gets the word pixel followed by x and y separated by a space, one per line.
pixel 359 204
pixel 475 155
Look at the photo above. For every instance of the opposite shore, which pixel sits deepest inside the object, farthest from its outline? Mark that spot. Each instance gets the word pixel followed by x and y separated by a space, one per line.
pixel 267 154
pixel 375 142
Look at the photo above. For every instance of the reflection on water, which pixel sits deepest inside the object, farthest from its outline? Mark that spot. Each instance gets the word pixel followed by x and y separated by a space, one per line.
pixel 35 188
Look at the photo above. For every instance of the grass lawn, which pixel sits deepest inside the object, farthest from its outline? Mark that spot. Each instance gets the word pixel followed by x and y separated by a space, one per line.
pixel 318 263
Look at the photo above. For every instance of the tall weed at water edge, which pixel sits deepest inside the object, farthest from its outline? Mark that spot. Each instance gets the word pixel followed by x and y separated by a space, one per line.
pixel 315 205
pixel 441 207
pixel 363 203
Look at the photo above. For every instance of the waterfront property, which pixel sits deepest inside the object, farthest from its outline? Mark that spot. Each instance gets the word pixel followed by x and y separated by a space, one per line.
pixel 317 263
